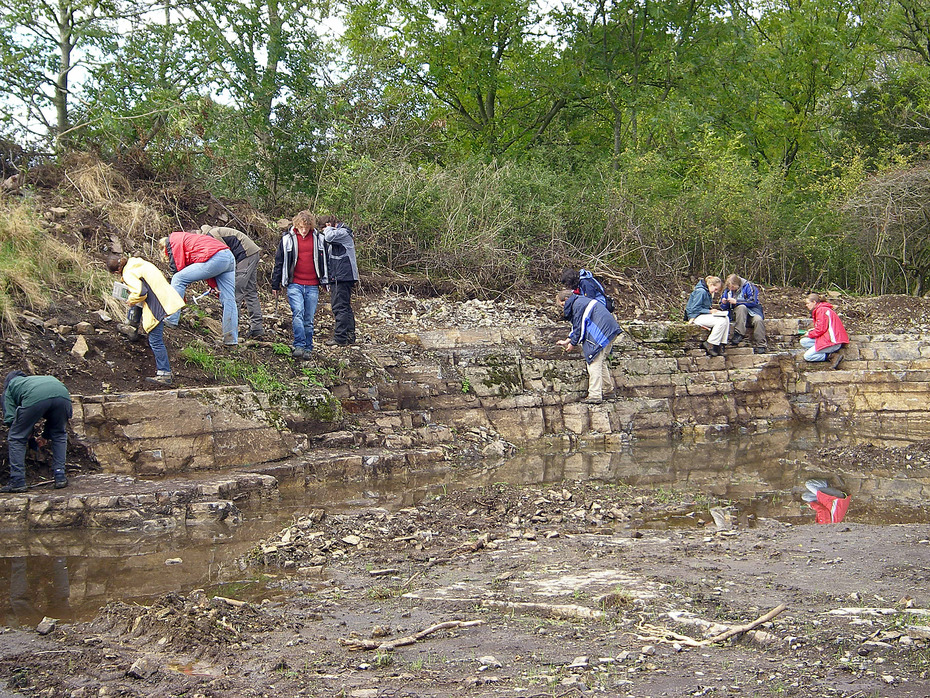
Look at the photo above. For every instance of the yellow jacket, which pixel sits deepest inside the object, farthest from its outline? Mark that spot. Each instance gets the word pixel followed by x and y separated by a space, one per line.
pixel 148 286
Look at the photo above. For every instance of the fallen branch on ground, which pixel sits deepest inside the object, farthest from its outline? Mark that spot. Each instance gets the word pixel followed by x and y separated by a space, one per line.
pixel 660 634
pixel 359 644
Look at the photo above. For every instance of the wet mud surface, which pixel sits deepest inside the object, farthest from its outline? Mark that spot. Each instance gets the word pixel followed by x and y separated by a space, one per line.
pixel 519 591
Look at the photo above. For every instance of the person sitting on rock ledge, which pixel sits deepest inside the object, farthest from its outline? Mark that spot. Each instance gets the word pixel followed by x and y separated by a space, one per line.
pixel 26 400
pixel 699 312
pixel 827 336
pixel 150 291
pixel 741 299
pixel 595 329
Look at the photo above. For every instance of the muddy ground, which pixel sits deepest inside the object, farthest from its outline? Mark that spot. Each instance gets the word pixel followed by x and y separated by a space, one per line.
pixel 536 591
pixel 575 589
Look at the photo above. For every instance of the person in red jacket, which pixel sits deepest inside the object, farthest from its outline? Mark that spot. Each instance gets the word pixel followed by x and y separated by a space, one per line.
pixel 194 257
pixel 827 336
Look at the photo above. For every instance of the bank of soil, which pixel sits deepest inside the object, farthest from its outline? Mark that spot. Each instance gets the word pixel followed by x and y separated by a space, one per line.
pixel 574 589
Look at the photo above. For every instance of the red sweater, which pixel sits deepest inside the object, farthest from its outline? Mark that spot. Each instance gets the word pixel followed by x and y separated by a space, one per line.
pixel 304 271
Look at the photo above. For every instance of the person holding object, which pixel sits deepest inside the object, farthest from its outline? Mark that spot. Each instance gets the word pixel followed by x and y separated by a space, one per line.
pixel 151 293
pixel 583 283
pixel 699 312
pixel 194 257
pixel 297 269
pixel 827 336
pixel 594 329
pixel 340 272
pixel 247 254
pixel 741 299
pixel 26 400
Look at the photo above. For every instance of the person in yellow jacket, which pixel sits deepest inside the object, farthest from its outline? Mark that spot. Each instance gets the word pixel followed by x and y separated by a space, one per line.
pixel 149 288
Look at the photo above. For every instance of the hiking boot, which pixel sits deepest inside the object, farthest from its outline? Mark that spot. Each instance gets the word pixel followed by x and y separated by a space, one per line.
pixel 721 349
pixel 335 343
pixel 61 481
pixel 711 349
pixel 13 488
pixel 760 349
pixel 255 334
pixel 592 401
pixel 737 338
pixel 837 360
pixel 298 353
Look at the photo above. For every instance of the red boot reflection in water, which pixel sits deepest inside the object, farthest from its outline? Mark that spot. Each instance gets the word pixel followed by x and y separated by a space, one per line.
pixel 829 504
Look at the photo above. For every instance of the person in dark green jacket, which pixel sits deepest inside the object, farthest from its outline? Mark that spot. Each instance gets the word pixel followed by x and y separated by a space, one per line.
pixel 26 400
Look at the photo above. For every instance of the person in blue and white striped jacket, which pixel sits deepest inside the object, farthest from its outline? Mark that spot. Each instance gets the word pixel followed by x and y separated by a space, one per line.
pixel 594 329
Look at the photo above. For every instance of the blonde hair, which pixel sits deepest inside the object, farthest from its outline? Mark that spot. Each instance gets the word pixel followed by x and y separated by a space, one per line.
pixel 304 218
pixel 815 298
pixel 713 281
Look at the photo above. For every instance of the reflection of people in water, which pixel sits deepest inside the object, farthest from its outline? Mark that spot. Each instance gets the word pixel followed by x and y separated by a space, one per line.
pixel 829 503
pixel 26 594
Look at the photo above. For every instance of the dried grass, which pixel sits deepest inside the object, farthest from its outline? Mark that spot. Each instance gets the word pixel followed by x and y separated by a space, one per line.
pixel 137 219
pixel 96 181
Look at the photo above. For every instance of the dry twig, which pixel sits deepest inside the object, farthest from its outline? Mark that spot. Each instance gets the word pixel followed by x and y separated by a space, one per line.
pixel 360 644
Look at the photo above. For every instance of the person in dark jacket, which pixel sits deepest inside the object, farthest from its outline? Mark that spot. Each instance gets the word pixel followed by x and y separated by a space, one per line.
pixel 594 329
pixel 297 269
pixel 699 312
pixel 741 299
pixel 340 272
pixel 26 400
pixel 247 254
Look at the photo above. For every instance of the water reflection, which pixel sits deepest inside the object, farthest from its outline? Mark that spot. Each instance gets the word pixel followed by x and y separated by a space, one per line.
pixel 70 574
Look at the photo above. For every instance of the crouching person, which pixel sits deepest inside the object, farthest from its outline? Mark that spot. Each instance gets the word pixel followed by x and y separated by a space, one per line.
pixel 26 400
pixel 827 336
pixel 594 329
pixel 149 288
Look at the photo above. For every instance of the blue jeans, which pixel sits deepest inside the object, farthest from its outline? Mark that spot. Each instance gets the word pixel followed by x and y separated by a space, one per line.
pixel 57 412
pixel 812 354
pixel 157 344
pixel 303 301
pixel 221 267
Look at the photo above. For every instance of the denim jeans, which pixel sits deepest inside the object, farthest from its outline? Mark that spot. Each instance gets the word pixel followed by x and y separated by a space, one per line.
pixel 303 301
pixel 221 267
pixel 157 344
pixel 812 354
pixel 57 412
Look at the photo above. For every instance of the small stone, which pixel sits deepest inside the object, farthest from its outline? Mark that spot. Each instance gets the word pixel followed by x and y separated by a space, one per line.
pixel 173 561
pixel 352 540
pixel 648 650
pixel 46 625
pixel 579 663
pixel 489 661
pixel 80 347
pixel 84 328
pixel 143 667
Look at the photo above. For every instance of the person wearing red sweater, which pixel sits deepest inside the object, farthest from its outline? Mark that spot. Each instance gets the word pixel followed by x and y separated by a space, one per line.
pixel 194 257
pixel 827 336
pixel 297 269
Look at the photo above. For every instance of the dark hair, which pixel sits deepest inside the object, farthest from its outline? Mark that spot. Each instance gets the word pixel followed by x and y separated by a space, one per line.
pixel 10 376
pixel 325 220
pixel 115 263
pixel 570 278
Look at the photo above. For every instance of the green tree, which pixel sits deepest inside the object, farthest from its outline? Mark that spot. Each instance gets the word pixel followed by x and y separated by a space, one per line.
pixel 492 83
pixel 42 44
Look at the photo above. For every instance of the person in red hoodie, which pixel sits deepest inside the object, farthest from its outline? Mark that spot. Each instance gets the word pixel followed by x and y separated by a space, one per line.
pixel 827 336
pixel 194 257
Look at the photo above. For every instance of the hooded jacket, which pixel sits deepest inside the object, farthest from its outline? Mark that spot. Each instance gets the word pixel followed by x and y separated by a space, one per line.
pixel 26 391
pixel 148 286
pixel 592 325
pixel 338 256
pixel 589 287
pixel 285 259
pixel 699 301
pixel 828 328
pixel 748 295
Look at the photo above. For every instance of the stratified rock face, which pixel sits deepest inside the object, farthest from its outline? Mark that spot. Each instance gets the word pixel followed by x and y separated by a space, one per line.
pixel 177 431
